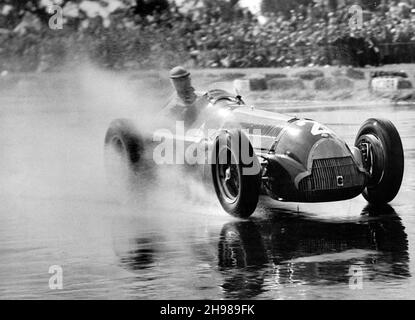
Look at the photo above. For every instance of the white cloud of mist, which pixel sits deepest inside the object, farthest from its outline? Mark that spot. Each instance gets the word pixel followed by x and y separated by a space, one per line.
pixel 53 129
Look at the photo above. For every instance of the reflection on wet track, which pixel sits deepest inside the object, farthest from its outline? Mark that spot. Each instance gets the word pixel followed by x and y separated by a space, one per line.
pixel 178 244
pixel 259 256
pixel 297 250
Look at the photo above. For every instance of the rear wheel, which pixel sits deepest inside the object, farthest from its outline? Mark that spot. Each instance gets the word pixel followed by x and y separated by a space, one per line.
pixel 383 158
pixel 236 174
pixel 124 158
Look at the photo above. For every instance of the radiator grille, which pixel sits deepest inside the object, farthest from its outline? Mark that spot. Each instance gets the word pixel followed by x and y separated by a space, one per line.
pixel 332 174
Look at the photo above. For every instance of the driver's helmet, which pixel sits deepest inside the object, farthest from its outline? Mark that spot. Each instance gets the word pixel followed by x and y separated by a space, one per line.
pixel 178 72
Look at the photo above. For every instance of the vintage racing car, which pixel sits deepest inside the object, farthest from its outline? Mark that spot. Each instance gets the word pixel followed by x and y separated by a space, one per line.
pixel 292 159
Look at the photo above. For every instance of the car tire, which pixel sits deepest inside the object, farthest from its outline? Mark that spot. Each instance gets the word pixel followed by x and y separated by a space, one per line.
pixel 123 136
pixel 124 157
pixel 386 161
pixel 237 184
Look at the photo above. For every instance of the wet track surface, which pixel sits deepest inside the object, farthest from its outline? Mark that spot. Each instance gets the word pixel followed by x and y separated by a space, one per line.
pixel 57 209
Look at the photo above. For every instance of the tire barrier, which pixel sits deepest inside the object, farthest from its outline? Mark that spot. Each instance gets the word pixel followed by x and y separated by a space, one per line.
pixel 285 84
pixel 381 73
pixel 333 84
pixel 231 76
pixel 257 82
pixel 270 76
pixel 309 74
pixel 389 84
pixel 355 74
pixel 349 73
pixel 241 85
pixel 253 83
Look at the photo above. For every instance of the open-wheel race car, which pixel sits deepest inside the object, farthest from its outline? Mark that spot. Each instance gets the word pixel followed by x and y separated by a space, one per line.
pixel 252 152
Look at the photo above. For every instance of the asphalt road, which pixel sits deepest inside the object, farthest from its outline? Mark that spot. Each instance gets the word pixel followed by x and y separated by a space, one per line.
pixel 57 210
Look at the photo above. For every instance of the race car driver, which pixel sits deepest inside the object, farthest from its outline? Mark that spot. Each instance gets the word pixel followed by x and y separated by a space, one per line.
pixel 186 103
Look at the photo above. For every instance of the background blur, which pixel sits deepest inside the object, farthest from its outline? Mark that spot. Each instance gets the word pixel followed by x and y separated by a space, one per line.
pixel 137 34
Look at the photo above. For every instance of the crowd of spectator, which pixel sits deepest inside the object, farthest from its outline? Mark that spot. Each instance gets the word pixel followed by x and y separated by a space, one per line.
pixel 206 37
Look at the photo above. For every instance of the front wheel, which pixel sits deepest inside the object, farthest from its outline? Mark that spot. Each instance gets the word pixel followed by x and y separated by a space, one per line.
pixel 383 158
pixel 236 173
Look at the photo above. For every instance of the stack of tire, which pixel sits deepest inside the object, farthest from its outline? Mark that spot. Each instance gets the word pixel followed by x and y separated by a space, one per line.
pixel 254 82
pixel 391 84
pixel 332 83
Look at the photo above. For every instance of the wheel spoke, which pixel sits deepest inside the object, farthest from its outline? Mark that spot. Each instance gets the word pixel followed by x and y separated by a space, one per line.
pixel 228 177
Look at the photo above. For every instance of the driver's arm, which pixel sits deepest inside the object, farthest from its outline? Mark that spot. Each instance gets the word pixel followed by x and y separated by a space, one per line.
pixel 173 111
